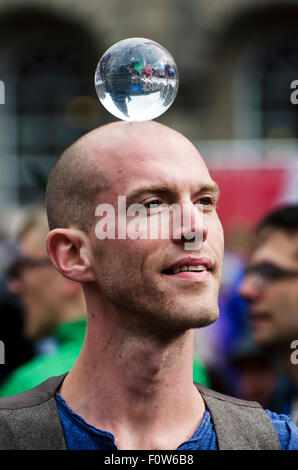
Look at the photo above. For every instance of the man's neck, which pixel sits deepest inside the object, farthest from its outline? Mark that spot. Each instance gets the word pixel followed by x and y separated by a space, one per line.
pixel 135 388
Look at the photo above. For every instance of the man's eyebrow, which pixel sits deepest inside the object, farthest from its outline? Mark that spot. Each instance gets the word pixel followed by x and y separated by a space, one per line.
pixel 212 187
pixel 154 188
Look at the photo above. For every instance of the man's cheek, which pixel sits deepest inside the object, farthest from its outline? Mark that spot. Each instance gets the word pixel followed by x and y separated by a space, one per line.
pixel 286 303
pixel 137 229
pixel 220 235
pixel 215 239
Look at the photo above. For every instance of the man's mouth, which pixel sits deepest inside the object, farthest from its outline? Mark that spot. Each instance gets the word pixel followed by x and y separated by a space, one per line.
pixel 190 269
pixel 260 318
pixel 185 268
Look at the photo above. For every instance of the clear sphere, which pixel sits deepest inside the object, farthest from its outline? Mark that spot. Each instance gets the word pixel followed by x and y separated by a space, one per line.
pixel 136 79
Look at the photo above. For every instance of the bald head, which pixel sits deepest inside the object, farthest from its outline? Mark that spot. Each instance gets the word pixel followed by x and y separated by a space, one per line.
pixel 80 174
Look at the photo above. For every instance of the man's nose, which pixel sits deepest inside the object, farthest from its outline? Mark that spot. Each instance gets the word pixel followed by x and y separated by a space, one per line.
pixel 250 289
pixel 193 227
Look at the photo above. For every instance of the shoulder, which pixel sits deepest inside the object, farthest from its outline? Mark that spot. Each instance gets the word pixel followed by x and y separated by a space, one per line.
pixel 34 396
pixel 22 378
pixel 34 410
pixel 245 412
pixel 286 430
pixel 239 424
pixel 225 399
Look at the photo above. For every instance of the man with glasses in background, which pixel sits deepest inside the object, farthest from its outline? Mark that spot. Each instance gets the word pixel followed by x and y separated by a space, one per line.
pixel 270 286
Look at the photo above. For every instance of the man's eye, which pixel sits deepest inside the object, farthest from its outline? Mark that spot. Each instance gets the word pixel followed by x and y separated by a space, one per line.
pixel 153 204
pixel 206 201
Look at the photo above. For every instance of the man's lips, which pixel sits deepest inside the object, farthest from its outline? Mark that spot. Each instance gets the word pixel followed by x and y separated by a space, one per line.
pixel 189 261
pixel 260 318
pixel 190 269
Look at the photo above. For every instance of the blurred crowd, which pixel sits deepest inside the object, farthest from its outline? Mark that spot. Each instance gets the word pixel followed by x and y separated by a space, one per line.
pixel 249 352
pixel 43 319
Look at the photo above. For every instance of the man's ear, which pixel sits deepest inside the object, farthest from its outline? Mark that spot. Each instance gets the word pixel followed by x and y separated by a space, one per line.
pixel 70 254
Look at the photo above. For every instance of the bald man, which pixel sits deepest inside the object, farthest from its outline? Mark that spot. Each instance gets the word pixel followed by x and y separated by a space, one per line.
pixel 132 384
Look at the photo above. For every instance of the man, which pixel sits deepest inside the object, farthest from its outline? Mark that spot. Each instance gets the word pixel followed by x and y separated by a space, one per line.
pixel 271 287
pixel 132 385
pixel 53 305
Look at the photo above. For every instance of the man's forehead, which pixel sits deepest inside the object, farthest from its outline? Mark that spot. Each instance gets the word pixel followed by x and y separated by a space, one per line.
pixel 156 175
pixel 155 152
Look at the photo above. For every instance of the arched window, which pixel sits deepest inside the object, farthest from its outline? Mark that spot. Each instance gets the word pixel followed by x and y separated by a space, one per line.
pixel 266 66
pixel 47 66
pixel 276 68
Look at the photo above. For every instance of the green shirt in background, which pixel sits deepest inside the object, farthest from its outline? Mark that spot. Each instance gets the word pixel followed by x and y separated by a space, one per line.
pixel 200 373
pixel 69 338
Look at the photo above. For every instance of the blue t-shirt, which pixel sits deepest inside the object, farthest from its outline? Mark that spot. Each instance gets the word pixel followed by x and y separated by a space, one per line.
pixel 80 435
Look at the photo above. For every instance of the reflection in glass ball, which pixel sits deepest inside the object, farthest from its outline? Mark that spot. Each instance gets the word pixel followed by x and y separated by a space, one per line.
pixel 136 79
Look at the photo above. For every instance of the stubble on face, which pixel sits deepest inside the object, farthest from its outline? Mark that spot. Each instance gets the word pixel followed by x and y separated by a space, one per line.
pixel 145 301
pixel 128 272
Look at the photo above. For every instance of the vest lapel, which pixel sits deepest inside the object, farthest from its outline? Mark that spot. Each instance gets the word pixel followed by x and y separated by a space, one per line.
pixel 239 424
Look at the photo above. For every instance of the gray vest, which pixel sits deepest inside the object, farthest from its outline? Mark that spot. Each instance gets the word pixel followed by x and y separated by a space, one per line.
pixel 30 421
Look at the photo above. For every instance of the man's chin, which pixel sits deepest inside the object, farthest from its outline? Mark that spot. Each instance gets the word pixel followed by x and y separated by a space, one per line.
pixel 199 312
pixel 192 320
pixel 202 320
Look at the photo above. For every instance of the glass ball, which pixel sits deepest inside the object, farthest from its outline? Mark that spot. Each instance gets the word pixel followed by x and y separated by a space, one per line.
pixel 136 79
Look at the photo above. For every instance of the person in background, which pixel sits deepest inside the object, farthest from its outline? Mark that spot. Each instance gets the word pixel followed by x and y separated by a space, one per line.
pixel 53 307
pixel 16 349
pixel 270 285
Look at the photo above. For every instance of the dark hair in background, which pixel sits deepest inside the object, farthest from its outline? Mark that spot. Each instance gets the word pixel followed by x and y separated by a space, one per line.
pixel 285 218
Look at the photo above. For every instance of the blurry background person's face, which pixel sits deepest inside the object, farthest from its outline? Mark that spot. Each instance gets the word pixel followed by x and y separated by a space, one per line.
pixel 38 285
pixel 273 296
